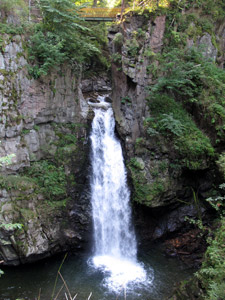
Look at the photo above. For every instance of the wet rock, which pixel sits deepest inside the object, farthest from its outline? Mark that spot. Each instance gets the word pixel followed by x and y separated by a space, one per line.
pixel 93 100
pixel 108 99
pixel 102 105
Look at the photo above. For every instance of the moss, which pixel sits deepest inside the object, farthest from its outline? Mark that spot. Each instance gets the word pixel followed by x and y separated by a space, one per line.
pixel 193 147
pixel 16 182
pixel 118 39
pixel 6 73
pixel 145 192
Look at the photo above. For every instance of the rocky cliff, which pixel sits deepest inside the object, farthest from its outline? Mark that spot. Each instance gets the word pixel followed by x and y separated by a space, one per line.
pixel 44 124
pixel 165 177
pixel 170 145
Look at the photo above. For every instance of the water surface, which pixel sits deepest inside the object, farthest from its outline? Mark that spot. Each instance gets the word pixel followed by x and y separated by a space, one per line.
pixel 25 282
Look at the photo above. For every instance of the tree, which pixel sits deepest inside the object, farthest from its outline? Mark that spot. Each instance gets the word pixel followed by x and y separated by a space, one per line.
pixel 122 9
pixel 61 36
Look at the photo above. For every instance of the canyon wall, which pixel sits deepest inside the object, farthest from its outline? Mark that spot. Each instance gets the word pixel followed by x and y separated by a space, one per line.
pixel 164 181
pixel 44 125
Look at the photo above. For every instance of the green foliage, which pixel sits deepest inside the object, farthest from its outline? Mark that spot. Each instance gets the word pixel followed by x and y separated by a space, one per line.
pixel 61 36
pixel 126 99
pixel 144 6
pixel 181 71
pixel 47 49
pixel 13 5
pixel 218 202
pixel 212 272
pixel 10 226
pixel 118 39
pixel 6 160
pixel 117 58
pixel 149 53
pixel 11 29
pixel 132 47
pixel 171 125
pixel 15 182
pixel 184 74
pixel 213 8
pixel 172 121
pixel 221 163
pixel 50 179
pixel 144 192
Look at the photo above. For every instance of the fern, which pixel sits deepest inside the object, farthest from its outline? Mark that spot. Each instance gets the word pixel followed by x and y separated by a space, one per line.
pixel 62 36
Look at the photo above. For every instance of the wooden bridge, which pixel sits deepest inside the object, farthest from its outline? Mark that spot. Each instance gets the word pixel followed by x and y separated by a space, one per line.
pixel 100 13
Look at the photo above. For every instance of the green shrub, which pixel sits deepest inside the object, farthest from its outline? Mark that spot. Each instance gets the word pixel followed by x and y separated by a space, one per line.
pixel 212 272
pixel 16 182
pixel 221 163
pixel 171 125
pixel 47 50
pixel 13 5
pixel 132 47
pixel 61 36
pixel 186 76
pixel 51 179
pixel 118 39
pixel 171 120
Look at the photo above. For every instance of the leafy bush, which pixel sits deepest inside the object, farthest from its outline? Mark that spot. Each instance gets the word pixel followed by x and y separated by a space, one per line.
pixel 47 49
pixel 50 178
pixel 221 163
pixel 184 74
pixel 168 123
pixel 170 119
pixel 62 36
pixel 118 39
pixel 212 272
pixel 11 29
pixel 132 47
pixel 12 5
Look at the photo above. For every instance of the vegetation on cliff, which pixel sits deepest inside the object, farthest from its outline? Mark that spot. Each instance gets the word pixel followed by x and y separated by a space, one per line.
pixel 186 101
pixel 186 110
pixel 61 36
pixel 193 82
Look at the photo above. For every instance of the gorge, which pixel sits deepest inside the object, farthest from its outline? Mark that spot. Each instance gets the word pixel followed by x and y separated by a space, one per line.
pixel 165 84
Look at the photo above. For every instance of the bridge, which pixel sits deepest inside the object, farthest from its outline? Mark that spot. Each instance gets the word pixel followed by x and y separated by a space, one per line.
pixel 100 13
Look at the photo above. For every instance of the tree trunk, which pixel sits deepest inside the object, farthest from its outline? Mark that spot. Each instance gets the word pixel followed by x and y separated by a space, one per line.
pixel 94 3
pixel 122 9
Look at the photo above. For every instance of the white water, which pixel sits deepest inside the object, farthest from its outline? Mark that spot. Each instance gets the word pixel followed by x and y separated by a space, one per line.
pixel 115 242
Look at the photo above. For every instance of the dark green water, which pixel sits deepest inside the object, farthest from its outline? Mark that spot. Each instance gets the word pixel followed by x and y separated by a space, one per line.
pixel 27 281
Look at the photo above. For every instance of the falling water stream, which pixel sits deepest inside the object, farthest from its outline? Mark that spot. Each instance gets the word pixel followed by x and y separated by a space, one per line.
pixel 115 241
pixel 114 271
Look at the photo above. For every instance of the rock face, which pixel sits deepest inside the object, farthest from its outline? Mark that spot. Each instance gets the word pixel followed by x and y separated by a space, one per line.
pixel 129 93
pixel 45 124
pixel 153 167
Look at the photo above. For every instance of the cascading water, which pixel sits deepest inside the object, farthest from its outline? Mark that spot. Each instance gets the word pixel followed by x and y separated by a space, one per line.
pixel 115 242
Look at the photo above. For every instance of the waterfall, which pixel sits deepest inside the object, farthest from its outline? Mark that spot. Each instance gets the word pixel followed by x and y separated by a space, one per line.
pixel 115 241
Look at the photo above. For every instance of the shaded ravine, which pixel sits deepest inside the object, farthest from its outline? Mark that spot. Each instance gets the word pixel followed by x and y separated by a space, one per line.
pixel 115 241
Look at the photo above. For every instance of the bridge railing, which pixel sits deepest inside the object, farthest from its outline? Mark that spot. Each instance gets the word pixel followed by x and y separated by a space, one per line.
pixel 100 12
